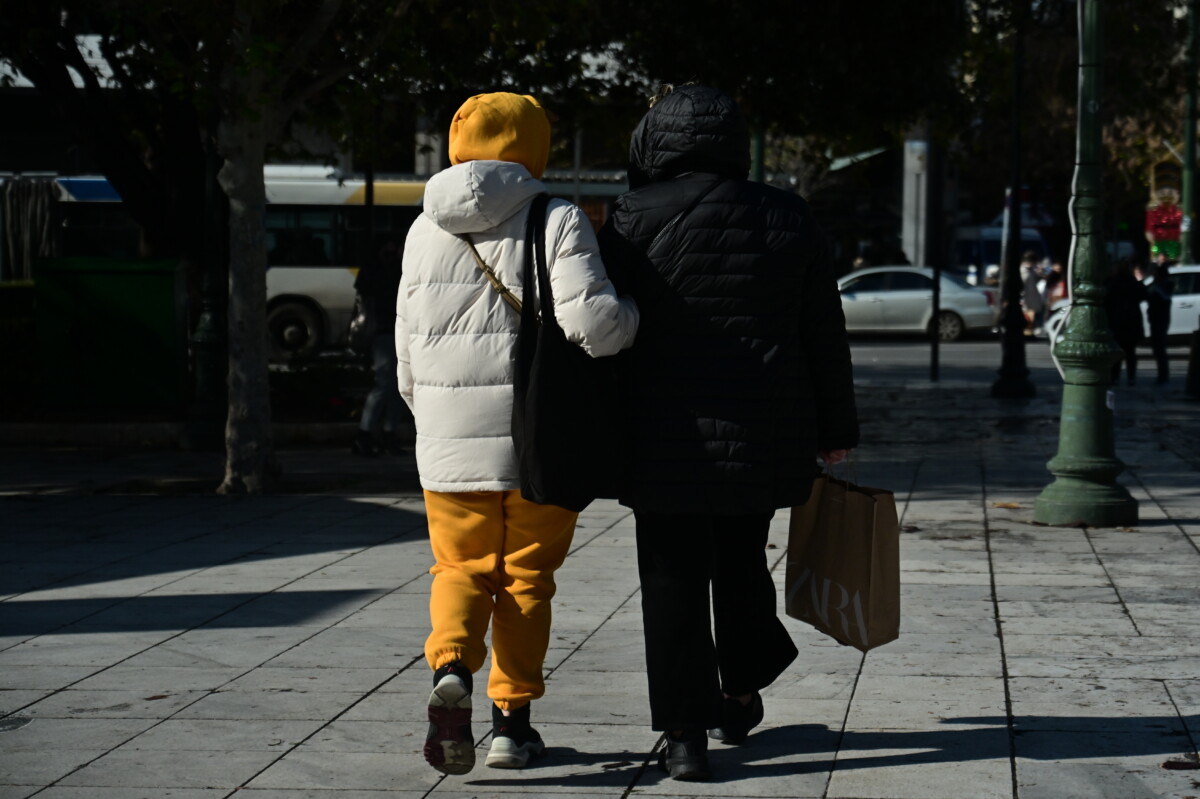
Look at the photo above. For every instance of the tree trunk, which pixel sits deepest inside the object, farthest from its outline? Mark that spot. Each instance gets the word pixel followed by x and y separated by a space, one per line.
pixel 250 464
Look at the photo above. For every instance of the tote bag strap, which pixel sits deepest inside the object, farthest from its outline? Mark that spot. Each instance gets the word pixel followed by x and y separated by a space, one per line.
pixel 535 267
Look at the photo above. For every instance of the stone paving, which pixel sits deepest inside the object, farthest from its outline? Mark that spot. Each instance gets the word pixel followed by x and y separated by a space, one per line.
pixel 198 647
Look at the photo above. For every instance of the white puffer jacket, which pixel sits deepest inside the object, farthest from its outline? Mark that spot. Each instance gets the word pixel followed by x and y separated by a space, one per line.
pixel 455 335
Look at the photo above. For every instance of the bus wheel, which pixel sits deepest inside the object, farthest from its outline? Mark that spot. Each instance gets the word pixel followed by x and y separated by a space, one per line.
pixel 295 332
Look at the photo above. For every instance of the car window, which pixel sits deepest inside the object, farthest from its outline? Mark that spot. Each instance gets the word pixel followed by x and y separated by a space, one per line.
pixel 956 279
pixel 910 281
pixel 1185 283
pixel 873 282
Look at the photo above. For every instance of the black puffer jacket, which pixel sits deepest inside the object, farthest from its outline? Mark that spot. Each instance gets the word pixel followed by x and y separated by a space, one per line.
pixel 741 370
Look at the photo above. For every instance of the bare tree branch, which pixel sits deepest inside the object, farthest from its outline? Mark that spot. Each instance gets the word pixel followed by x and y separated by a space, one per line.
pixel 306 42
pixel 296 100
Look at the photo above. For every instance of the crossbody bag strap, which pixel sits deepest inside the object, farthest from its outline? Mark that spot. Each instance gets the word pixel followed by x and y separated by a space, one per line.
pixel 675 220
pixel 490 274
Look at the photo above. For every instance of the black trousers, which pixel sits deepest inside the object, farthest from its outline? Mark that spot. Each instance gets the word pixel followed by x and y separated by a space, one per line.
pixel 680 558
pixel 1129 356
pixel 1158 343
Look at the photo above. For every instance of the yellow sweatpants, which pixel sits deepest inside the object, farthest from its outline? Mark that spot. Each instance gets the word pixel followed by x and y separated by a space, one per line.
pixel 496 556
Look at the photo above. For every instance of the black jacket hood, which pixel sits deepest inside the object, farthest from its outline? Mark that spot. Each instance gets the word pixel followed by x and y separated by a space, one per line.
pixel 692 129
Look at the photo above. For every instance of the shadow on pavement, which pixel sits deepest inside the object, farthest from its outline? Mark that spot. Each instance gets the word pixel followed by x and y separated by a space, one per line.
pixel 116 543
pixel 819 750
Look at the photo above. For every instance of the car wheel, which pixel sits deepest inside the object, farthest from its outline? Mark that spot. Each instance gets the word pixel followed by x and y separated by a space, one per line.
pixel 295 332
pixel 950 326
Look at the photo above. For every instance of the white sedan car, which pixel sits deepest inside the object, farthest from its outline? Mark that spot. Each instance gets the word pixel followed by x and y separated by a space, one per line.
pixel 1185 307
pixel 899 299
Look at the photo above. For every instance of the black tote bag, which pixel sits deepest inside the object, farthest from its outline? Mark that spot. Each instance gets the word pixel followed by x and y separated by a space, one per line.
pixel 566 421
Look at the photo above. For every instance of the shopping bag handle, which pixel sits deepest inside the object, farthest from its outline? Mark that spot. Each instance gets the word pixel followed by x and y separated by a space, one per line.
pixel 848 468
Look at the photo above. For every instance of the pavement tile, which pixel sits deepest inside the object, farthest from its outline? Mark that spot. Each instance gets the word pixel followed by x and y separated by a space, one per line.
pixel 320 657
pixel 941 644
pixel 224 647
pixel 141 704
pixel 307 770
pixel 1055 779
pixel 12 701
pixel 1091 668
pixel 1057 703
pixel 309 679
pixel 49 734
pixel 43 767
pixel 986 693
pixel 135 768
pixel 94 792
pixel 350 647
pixel 1133 746
pixel 320 705
pixel 903 713
pixel 797 684
pixel 924 764
pixel 1069 625
pixel 1094 646
pixel 159 679
pixel 884 662
pixel 576 707
pixel 442 792
pixel 185 734
pixel 376 736
pixel 79 649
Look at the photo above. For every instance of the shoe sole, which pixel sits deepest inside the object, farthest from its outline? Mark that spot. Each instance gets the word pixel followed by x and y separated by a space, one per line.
pixel 449 747
pixel 505 753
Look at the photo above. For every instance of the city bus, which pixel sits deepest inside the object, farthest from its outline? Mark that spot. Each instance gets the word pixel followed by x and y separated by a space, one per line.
pixel 316 229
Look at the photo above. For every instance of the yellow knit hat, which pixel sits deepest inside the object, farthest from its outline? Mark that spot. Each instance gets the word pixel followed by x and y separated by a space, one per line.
pixel 501 127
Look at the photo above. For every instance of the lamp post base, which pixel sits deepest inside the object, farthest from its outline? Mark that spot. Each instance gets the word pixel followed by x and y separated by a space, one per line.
pixel 1071 502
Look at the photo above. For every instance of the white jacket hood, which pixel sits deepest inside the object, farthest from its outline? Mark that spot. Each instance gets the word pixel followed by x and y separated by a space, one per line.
pixel 478 195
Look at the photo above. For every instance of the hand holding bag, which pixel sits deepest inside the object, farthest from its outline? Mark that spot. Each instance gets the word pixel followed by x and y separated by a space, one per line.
pixel 843 567
pixel 566 421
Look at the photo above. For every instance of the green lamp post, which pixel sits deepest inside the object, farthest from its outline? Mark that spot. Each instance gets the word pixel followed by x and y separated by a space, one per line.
pixel 1187 237
pixel 1085 489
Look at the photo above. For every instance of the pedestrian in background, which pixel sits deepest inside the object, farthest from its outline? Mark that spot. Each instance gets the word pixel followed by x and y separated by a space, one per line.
pixel 384 412
pixel 495 552
pixel 1055 287
pixel 1158 315
pixel 1031 293
pixel 740 376
pixel 1123 302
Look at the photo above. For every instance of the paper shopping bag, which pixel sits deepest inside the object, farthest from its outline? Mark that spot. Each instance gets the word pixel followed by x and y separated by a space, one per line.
pixel 843 567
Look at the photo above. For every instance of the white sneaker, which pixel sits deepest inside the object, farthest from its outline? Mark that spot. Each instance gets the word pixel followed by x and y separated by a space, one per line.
pixel 507 752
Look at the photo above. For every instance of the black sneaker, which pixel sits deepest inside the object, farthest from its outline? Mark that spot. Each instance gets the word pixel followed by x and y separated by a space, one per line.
pixel 514 742
pixel 449 747
pixel 686 758
pixel 737 720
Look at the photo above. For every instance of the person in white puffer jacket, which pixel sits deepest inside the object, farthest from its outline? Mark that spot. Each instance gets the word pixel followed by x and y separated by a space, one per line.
pixel 495 552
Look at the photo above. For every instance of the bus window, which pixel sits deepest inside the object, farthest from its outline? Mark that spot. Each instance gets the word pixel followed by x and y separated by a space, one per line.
pixel 391 222
pixel 300 237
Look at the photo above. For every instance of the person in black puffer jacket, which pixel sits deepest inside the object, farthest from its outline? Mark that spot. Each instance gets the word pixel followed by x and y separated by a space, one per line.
pixel 739 379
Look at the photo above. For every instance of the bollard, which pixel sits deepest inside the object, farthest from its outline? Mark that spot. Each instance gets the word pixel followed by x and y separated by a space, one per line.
pixel 1192 386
